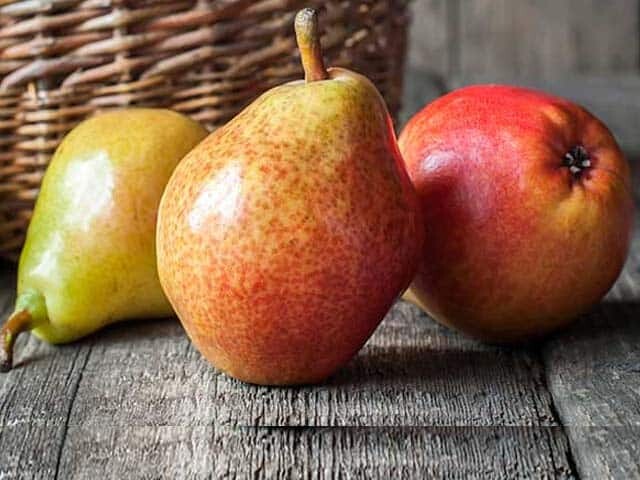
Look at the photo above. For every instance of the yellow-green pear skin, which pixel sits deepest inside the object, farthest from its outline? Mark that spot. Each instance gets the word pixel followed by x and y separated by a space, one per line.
pixel 89 257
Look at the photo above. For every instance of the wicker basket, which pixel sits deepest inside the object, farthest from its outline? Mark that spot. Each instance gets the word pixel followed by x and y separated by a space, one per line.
pixel 62 60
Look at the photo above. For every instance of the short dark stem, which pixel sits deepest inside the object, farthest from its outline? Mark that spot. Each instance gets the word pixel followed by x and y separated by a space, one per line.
pixel 577 160
pixel 308 40
pixel 18 322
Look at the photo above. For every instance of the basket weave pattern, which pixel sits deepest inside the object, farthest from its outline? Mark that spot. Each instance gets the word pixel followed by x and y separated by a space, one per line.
pixel 63 60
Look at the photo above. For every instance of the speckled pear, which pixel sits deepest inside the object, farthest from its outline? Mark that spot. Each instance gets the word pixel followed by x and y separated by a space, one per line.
pixel 285 236
pixel 89 257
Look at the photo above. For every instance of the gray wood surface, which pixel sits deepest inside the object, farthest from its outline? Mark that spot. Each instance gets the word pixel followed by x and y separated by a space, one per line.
pixel 35 403
pixel 593 372
pixel 348 452
pixel 546 38
pixel 411 373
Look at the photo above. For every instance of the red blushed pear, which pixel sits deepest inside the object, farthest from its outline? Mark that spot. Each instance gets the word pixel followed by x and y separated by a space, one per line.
pixel 285 237
pixel 527 204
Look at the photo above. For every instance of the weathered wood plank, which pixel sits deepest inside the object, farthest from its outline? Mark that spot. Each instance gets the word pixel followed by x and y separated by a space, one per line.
pixel 431 40
pixel 412 372
pixel 546 37
pixel 593 371
pixel 134 452
pixel 212 452
pixel 35 399
pixel 605 36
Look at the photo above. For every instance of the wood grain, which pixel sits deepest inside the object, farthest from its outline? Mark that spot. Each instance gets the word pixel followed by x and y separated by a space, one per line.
pixel 316 453
pixel 412 372
pixel 35 399
pixel 547 38
pixel 593 371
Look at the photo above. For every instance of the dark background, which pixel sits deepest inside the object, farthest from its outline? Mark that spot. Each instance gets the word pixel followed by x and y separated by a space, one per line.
pixel 541 38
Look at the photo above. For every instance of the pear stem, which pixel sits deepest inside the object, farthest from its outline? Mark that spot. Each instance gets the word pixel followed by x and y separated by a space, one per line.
pixel 308 39
pixel 18 322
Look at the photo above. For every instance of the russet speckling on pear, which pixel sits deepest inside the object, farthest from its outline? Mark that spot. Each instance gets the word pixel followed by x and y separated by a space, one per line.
pixel 285 237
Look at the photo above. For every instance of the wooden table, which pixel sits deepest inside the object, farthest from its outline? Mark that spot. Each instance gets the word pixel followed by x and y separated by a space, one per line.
pixel 138 401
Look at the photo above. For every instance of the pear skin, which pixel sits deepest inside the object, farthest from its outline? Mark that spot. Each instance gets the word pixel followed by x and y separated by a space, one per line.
pixel 286 235
pixel 89 256
pixel 411 297
pixel 528 205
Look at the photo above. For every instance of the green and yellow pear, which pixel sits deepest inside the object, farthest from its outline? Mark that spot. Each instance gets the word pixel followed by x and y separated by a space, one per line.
pixel 89 257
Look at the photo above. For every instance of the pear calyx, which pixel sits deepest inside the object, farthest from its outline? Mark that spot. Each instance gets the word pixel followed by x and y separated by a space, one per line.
pixel 30 311
pixel 308 39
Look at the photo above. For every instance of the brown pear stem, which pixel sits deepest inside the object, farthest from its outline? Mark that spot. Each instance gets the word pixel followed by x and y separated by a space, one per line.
pixel 18 322
pixel 308 39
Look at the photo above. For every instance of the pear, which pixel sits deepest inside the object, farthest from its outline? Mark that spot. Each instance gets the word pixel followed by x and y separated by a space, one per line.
pixel 286 235
pixel 89 255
